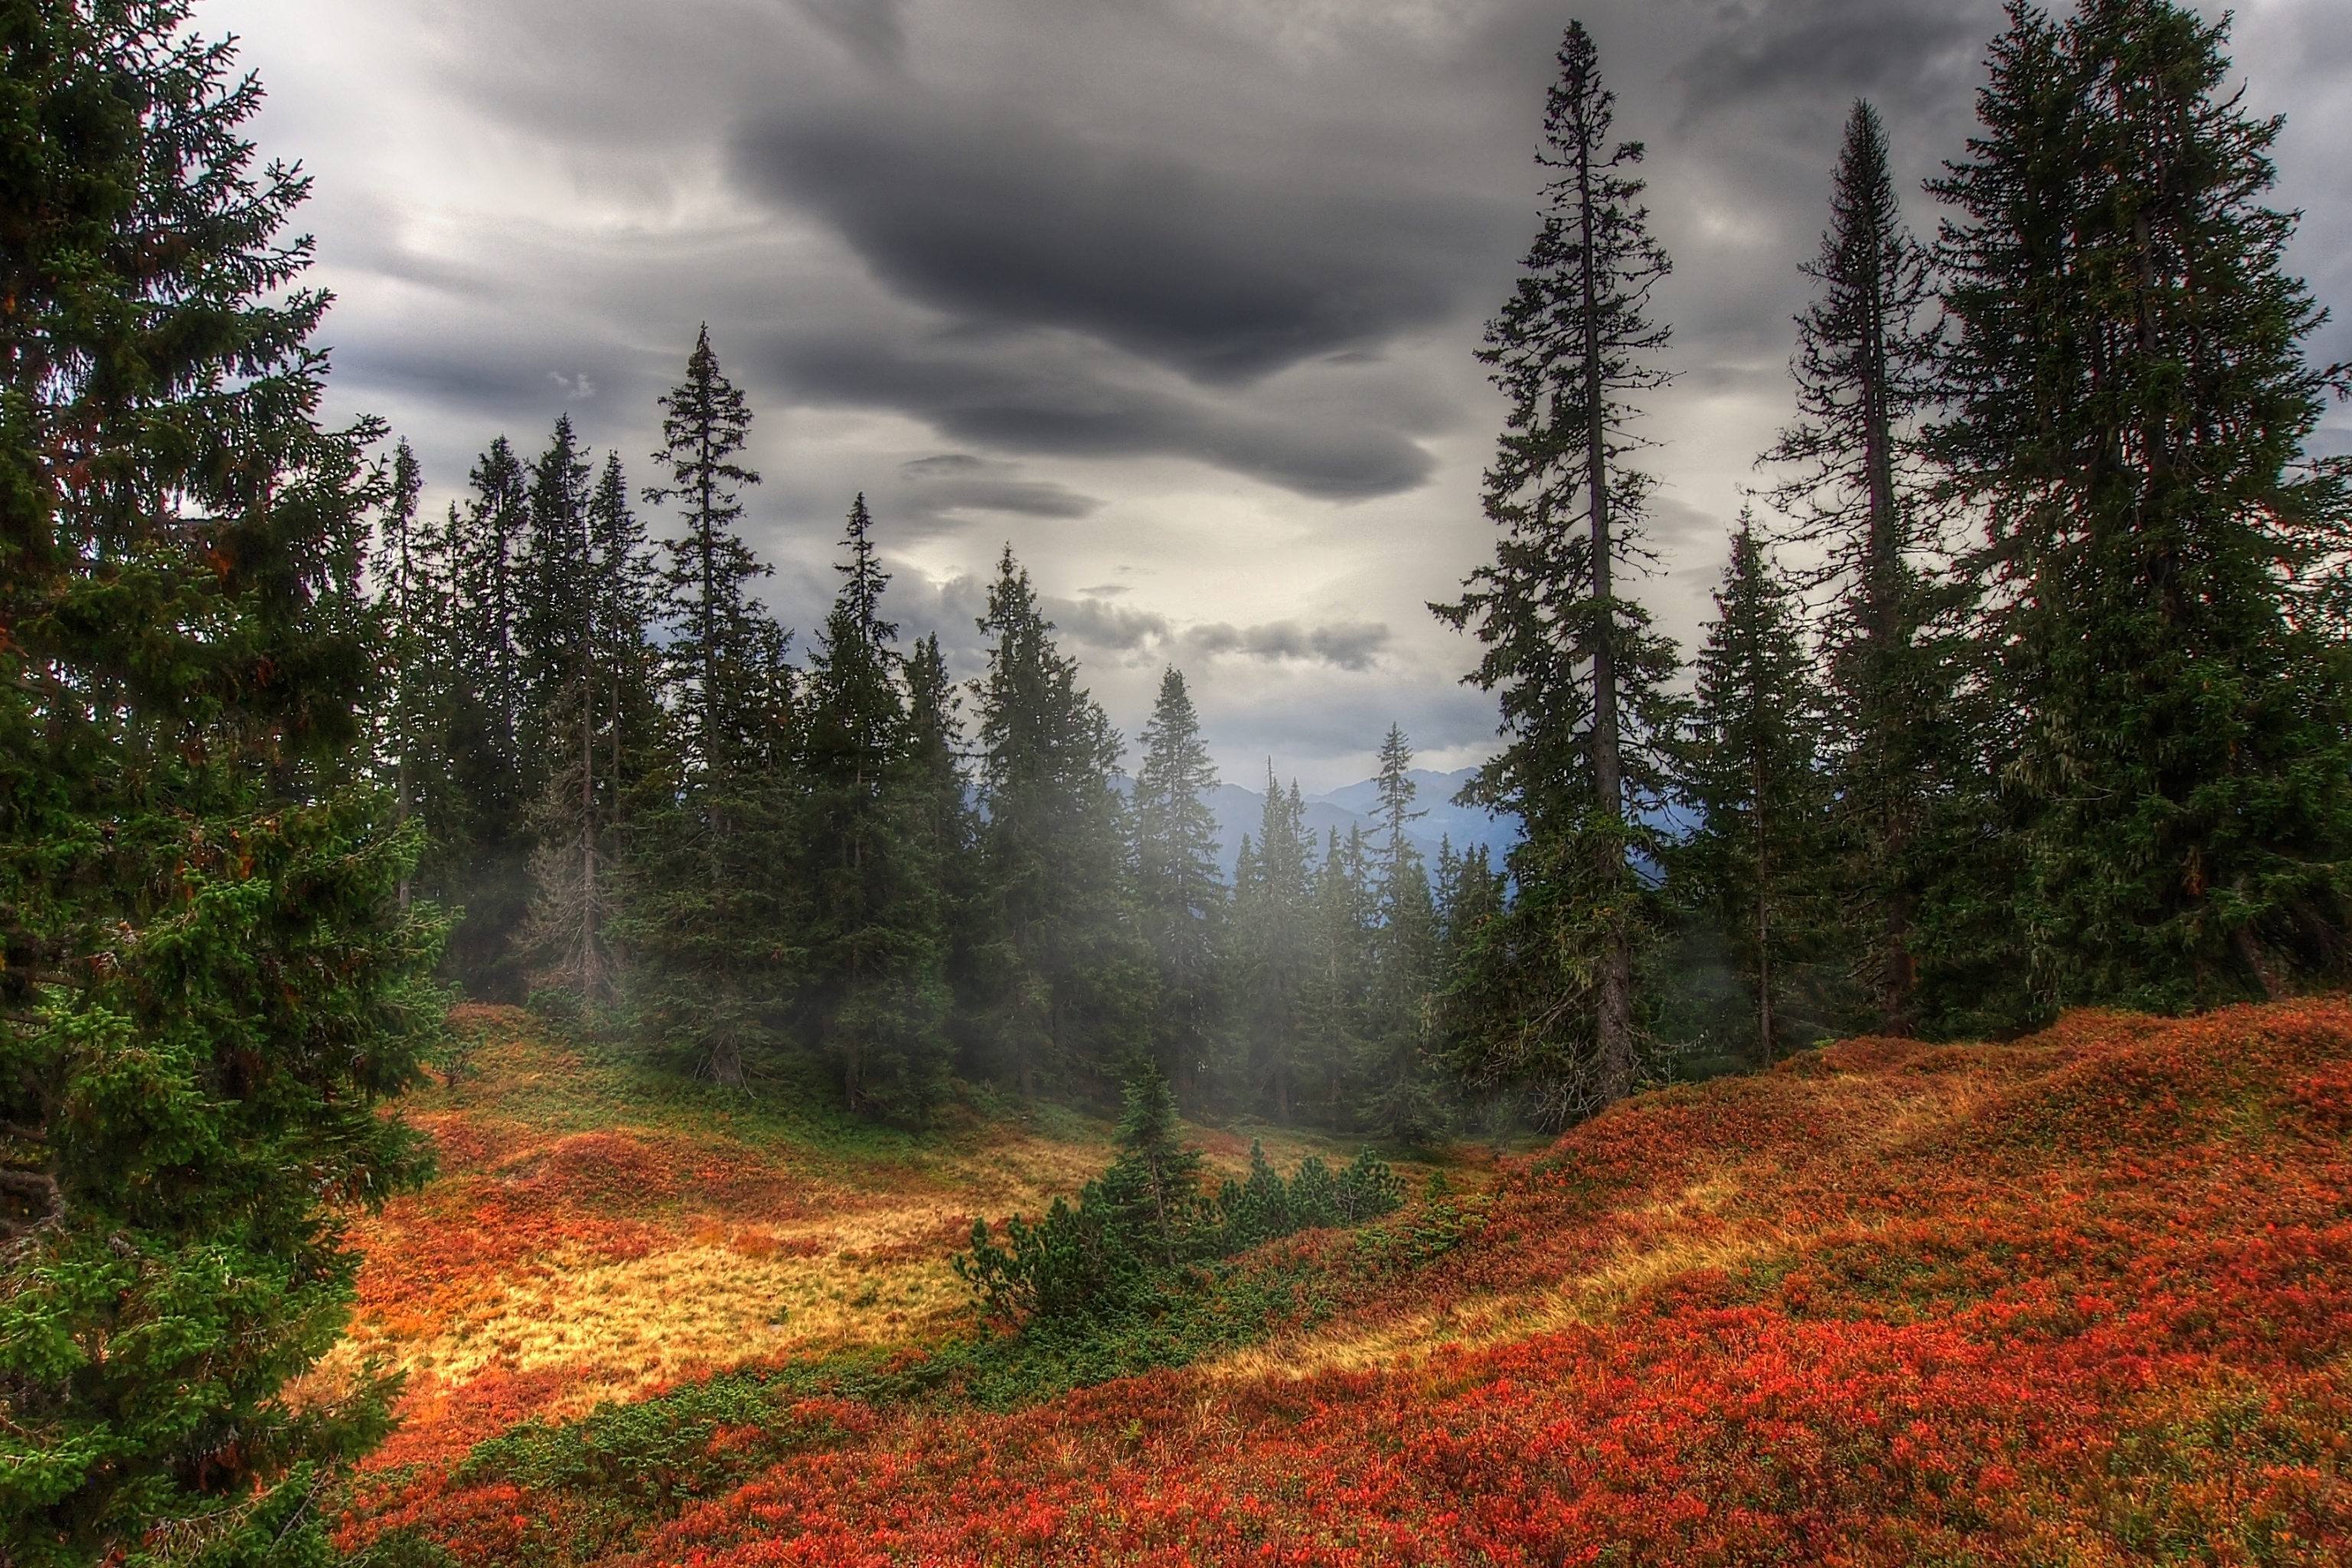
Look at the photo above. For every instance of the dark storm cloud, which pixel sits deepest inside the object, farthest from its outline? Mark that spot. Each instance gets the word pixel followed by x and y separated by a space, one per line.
pixel 958 482
pixel 983 211
pixel 1900 52
pixel 1030 394
pixel 873 30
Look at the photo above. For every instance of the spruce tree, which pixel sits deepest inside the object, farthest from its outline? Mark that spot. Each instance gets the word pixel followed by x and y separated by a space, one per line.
pixel 411 601
pixel 876 988
pixel 1270 919
pixel 1580 674
pixel 1064 983
pixel 1179 893
pixel 713 913
pixel 488 853
pixel 718 644
pixel 1400 1089
pixel 1756 863
pixel 583 636
pixel 2129 401
pixel 1852 483
pixel 1470 894
pixel 210 986
pixel 1335 991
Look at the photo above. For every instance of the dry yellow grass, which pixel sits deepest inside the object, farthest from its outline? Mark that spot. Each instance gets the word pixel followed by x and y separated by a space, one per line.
pixel 589 1248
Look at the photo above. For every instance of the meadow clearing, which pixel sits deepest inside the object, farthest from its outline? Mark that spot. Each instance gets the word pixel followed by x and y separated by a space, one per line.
pixel 2081 1298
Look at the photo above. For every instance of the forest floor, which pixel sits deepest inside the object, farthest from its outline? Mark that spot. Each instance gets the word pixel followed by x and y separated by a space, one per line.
pixel 2081 1298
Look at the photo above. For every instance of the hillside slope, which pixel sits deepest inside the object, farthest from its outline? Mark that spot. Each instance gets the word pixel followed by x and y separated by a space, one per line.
pixel 2085 1299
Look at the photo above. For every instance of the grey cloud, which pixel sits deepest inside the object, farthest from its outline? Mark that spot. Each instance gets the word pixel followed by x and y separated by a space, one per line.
pixel 1352 645
pixel 983 211
pixel 1030 396
pixel 1815 49
pixel 1118 628
pixel 959 482
pixel 1114 628
pixel 873 30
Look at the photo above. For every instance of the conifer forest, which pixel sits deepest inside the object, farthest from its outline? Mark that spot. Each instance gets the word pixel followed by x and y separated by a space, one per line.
pixel 511 1054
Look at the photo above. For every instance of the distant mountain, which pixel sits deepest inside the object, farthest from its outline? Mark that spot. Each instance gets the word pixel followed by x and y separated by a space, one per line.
pixel 1239 811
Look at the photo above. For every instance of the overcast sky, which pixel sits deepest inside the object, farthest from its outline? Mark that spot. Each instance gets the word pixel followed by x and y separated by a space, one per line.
pixel 1177 297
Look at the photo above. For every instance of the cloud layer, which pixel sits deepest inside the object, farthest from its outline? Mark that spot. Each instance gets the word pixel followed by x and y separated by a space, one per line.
pixel 1179 297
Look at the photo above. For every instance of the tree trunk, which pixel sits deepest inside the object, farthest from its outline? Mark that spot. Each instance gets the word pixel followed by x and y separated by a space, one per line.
pixel 1882 569
pixel 1615 1026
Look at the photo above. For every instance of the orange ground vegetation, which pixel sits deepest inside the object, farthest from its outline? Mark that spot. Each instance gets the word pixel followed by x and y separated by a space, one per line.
pixel 581 1245
pixel 2086 1299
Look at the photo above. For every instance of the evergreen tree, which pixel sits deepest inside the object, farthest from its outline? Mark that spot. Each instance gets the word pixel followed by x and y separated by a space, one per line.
pixel 487 852
pixel 1179 893
pixel 629 725
pixel 1581 675
pixel 210 986
pixel 1334 998
pixel 1866 368
pixel 585 650
pixel 1270 886
pixel 1753 768
pixel 411 601
pixel 1152 1190
pixel 1400 1091
pixel 876 988
pixel 2129 403
pixel 719 648
pixel 1065 985
pixel 714 916
pixel 1470 895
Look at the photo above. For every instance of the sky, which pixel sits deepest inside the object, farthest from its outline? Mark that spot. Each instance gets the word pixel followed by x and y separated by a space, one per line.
pixel 1178 298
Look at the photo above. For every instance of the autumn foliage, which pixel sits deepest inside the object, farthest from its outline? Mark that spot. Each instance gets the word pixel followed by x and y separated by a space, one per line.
pixel 2086 1299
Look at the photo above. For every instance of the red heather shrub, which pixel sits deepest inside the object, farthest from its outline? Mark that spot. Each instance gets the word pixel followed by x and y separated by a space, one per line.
pixel 2086 1299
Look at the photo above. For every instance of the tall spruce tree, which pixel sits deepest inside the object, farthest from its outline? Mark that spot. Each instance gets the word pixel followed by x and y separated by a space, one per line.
pixel 1179 893
pixel 210 986
pixel 1852 482
pixel 411 601
pixel 1470 893
pixel 487 852
pixel 1755 864
pixel 719 647
pixel 1333 956
pixel 2129 402
pixel 1579 673
pixel 585 651
pixel 1270 918
pixel 876 989
pixel 1065 983
pixel 1400 1097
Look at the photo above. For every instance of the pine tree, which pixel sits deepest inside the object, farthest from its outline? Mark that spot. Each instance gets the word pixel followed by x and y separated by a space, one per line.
pixel 1270 936
pixel 1334 958
pixel 2129 403
pixel 716 650
pixel 411 601
pixel 1469 896
pixel 487 856
pixel 1579 673
pixel 210 985
pixel 713 914
pixel 1152 1190
pixel 1865 369
pixel 877 990
pixel 573 656
pixel 1752 767
pixel 1179 893
pixel 1064 983
pixel 1400 1091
